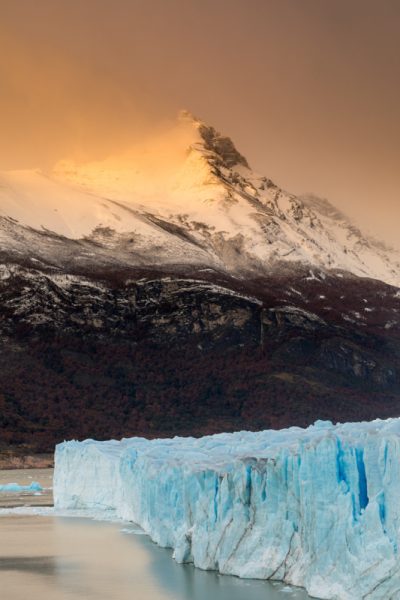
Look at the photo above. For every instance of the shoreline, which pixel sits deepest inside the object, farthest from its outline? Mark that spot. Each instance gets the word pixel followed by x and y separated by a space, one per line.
pixel 10 461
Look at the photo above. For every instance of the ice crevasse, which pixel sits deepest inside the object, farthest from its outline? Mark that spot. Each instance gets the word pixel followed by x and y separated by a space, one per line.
pixel 316 507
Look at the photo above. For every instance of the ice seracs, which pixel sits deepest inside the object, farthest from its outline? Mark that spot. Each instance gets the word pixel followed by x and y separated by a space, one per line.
pixel 316 507
pixel 187 195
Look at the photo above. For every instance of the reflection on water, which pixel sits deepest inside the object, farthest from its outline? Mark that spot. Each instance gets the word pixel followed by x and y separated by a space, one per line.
pixel 49 558
pixel 40 565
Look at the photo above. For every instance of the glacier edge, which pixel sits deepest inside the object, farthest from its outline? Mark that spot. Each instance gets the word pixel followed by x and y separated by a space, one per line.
pixel 317 508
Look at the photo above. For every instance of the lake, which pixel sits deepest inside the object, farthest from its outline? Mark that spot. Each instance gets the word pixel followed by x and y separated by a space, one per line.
pixel 49 557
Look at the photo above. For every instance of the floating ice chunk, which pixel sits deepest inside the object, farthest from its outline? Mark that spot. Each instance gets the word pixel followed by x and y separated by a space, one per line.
pixel 15 487
pixel 133 531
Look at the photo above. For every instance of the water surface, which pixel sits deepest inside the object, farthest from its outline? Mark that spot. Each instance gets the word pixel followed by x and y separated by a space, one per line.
pixel 65 558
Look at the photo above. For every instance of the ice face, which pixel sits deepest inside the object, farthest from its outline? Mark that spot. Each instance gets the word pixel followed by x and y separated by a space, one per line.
pixel 316 507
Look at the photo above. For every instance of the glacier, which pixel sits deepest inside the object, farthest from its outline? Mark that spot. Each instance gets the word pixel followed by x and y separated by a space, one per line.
pixel 317 507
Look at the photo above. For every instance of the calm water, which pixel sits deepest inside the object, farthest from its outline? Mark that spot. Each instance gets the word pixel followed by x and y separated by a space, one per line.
pixel 54 558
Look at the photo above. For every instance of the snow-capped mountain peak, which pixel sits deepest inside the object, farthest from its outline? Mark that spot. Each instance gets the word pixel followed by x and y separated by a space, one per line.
pixel 185 196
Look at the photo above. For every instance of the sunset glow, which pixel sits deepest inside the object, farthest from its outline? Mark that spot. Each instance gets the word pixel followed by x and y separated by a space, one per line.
pixel 314 114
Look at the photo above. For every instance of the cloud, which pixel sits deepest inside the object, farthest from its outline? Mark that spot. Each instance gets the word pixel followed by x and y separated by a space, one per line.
pixel 52 106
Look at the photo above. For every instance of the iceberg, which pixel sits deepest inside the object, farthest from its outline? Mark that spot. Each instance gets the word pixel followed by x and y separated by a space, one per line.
pixel 17 488
pixel 317 507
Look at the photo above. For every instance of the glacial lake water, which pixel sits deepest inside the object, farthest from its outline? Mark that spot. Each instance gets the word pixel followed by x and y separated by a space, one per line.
pixel 66 558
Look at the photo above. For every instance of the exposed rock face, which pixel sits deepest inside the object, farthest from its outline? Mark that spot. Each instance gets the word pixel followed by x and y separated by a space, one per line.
pixel 223 147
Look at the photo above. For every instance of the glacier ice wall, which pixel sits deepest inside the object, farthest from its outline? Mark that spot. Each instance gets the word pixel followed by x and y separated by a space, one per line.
pixel 317 507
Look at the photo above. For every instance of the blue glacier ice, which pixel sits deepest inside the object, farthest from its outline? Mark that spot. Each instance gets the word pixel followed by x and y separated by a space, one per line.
pixel 16 487
pixel 316 507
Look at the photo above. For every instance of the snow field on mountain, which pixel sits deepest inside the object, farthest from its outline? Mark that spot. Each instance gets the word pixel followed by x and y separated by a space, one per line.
pixel 184 196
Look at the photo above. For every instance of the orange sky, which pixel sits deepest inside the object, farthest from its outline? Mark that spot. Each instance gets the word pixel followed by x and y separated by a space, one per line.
pixel 308 89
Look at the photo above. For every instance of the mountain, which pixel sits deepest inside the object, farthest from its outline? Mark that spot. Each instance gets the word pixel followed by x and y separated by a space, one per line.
pixel 192 200
pixel 174 290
